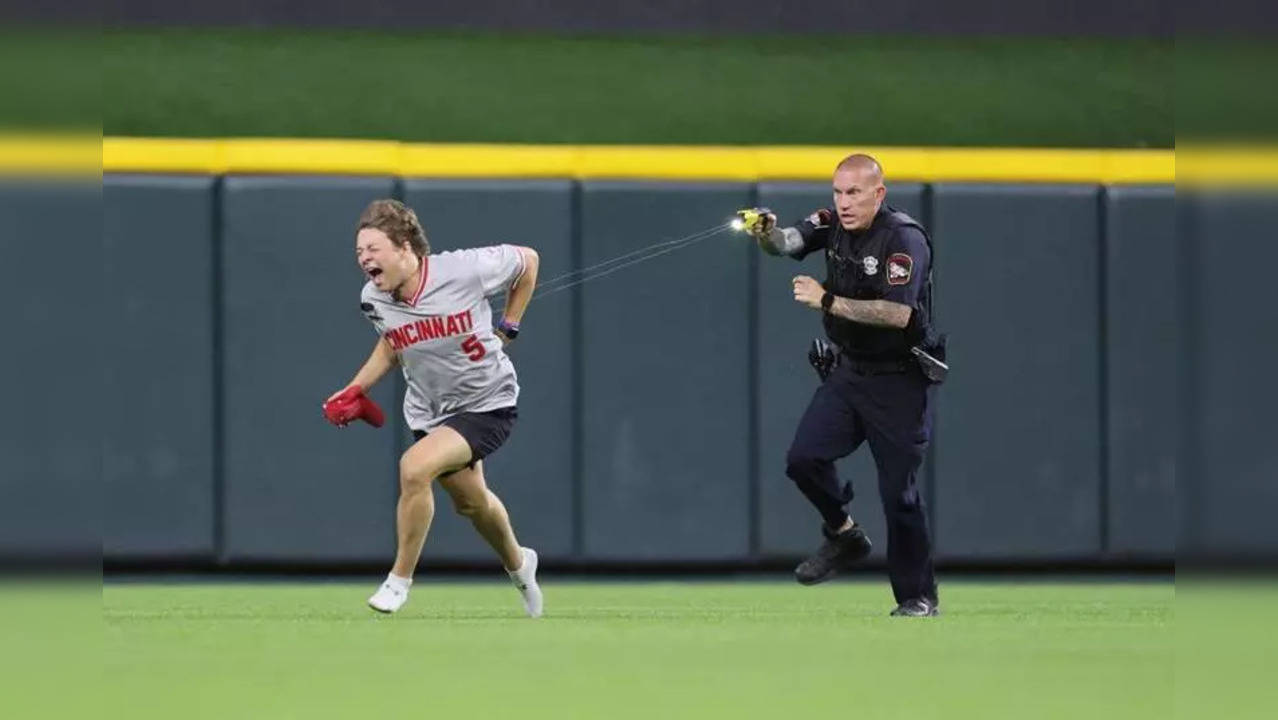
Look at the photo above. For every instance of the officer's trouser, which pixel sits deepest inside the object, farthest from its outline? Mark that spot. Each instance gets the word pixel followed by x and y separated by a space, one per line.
pixel 893 412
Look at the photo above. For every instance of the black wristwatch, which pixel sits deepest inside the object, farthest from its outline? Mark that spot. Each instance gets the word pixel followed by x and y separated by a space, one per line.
pixel 826 301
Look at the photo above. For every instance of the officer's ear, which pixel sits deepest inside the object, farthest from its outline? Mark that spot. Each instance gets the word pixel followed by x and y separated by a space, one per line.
pixel 880 192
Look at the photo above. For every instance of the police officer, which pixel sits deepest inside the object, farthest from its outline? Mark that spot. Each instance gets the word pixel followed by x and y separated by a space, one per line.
pixel 876 307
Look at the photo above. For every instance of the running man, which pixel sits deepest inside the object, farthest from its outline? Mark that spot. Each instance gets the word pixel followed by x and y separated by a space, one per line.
pixel 876 306
pixel 433 318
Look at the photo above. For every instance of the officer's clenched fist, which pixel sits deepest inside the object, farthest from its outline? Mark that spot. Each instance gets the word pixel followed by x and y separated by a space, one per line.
pixel 808 291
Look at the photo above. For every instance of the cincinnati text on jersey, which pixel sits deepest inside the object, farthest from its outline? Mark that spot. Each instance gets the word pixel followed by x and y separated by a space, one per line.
pixel 430 328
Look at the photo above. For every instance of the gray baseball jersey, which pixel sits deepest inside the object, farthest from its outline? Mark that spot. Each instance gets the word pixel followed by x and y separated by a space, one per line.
pixel 443 334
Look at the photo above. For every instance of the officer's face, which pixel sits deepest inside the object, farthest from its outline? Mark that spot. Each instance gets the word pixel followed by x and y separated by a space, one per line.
pixel 858 193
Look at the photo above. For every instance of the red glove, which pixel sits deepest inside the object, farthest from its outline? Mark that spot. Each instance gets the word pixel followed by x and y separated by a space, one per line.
pixel 352 404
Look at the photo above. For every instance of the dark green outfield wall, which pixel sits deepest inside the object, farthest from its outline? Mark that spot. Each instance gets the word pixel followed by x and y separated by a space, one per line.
pixel 658 402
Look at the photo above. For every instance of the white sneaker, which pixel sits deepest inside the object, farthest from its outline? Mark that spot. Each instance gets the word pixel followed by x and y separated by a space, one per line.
pixel 391 596
pixel 525 578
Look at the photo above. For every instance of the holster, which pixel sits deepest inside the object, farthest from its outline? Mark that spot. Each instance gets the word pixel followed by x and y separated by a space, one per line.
pixel 823 356
pixel 930 355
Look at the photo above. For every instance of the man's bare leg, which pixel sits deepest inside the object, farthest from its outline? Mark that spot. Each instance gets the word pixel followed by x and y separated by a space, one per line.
pixel 440 451
pixel 472 498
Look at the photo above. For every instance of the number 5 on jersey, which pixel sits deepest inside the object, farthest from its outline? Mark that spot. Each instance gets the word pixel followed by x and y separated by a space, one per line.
pixel 473 348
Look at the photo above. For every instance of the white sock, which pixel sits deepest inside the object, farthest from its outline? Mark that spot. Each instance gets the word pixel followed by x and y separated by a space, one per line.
pixel 400 582
pixel 523 563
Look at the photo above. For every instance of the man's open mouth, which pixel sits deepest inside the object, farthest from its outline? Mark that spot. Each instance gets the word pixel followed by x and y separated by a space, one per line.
pixel 373 272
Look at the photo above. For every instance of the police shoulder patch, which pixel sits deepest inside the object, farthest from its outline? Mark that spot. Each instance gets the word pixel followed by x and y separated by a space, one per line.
pixel 899 269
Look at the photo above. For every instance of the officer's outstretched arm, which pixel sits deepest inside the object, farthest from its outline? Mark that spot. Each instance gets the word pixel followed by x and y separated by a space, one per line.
pixel 761 224
pixel 782 241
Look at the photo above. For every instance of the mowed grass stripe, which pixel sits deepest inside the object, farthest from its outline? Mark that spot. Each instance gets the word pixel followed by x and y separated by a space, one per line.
pixel 641 650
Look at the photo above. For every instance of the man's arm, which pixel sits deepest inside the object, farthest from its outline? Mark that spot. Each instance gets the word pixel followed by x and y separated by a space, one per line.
pixel 520 293
pixel 808 235
pixel 781 241
pixel 351 402
pixel 881 313
pixel 908 262
pixel 379 362
pixel 907 265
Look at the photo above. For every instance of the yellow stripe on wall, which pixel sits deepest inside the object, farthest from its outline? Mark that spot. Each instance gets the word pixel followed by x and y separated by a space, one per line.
pixel 1233 165
pixel 368 157
pixel 70 155
pixel 649 162
pixel 470 160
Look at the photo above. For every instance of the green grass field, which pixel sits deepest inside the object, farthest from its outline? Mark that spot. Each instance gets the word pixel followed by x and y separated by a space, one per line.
pixel 486 87
pixel 448 87
pixel 745 649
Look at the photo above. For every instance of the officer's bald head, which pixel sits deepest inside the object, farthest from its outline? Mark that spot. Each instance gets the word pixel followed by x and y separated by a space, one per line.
pixel 858 191
pixel 861 163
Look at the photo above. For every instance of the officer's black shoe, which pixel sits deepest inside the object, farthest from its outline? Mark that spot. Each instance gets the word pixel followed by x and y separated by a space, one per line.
pixel 918 607
pixel 839 552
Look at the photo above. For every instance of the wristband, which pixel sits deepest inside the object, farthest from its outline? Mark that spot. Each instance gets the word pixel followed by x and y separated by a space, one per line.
pixel 826 301
pixel 507 328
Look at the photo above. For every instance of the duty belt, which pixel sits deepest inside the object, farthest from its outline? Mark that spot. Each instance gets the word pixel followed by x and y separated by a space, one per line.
pixel 879 367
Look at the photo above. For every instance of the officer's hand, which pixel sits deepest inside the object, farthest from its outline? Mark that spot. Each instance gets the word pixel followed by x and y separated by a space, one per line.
pixel 808 291
pixel 757 222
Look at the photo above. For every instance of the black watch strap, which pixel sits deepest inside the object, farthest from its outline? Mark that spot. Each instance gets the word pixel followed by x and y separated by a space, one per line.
pixel 826 301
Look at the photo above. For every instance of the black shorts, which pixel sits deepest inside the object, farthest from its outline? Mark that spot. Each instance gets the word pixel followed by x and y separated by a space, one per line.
pixel 483 431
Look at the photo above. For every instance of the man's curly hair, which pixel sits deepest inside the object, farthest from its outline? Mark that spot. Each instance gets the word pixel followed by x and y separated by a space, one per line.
pixel 398 221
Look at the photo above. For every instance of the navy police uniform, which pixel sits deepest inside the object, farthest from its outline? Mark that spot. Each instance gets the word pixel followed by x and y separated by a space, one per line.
pixel 876 394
